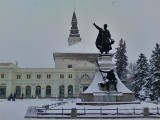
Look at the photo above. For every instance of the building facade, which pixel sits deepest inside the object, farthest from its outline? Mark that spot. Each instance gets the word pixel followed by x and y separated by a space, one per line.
pixel 72 74
pixel 44 82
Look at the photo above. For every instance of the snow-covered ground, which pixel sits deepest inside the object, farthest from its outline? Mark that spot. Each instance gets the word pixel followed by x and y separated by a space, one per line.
pixel 16 110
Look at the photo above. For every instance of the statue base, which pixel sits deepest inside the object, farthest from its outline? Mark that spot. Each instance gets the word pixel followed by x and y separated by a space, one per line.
pixel 99 91
pixel 106 87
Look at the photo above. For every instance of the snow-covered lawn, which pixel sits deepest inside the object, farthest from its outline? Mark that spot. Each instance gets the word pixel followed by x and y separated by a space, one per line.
pixel 16 110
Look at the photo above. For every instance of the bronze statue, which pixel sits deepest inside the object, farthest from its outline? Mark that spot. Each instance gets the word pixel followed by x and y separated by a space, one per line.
pixel 111 79
pixel 103 41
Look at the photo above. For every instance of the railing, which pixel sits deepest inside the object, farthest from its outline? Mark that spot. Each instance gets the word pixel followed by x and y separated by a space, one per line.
pixel 101 111
pixel 53 105
pixel 155 111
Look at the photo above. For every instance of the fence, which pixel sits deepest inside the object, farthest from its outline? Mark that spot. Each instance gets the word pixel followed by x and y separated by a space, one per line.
pixel 99 112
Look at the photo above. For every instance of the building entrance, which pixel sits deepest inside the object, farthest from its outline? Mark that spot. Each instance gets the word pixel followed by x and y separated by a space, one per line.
pixel 2 91
pixel 38 91
pixel 61 91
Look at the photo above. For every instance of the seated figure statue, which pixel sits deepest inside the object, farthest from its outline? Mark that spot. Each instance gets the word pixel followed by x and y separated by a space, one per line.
pixel 110 79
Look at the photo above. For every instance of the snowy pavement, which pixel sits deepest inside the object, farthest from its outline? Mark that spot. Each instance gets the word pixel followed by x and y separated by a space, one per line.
pixel 16 110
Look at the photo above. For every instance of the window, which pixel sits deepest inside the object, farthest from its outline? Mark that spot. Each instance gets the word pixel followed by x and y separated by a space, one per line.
pixel 48 76
pixel 69 66
pixel 18 76
pixel 70 76
pixel 38 76
pixel 61 76
pixel 2 75
pixel 28 76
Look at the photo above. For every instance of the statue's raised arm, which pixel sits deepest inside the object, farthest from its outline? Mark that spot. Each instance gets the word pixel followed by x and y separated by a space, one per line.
pixel 97 26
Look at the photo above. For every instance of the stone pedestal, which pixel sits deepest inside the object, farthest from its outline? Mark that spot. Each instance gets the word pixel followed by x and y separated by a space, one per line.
pixel 104 89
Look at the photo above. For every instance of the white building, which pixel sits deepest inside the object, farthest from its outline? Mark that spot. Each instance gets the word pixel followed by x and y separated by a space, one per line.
pixel 73 73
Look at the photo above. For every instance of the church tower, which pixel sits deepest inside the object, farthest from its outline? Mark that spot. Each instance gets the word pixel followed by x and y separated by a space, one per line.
pixel 74 36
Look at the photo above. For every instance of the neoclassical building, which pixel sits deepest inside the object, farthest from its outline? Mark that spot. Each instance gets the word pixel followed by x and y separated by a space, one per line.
pixel 73 72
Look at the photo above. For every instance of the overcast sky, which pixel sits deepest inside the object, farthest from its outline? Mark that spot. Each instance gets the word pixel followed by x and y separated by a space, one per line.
pixel 31 30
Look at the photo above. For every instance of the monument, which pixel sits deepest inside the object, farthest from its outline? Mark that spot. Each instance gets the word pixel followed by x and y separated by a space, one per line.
pixel 106 86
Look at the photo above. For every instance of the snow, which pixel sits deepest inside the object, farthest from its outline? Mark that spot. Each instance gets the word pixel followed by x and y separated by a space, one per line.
pixel 16 110
pixel 94 85
pixel 80 47
pixel 121 87
pixel 106 62
pixel 103 93
pixel 93 88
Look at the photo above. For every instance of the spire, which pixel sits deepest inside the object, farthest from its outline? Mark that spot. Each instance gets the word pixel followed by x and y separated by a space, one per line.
pixel 74 17
pixel 74 36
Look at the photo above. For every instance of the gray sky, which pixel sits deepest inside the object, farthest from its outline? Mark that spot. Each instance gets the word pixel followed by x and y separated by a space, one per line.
pixel 31 30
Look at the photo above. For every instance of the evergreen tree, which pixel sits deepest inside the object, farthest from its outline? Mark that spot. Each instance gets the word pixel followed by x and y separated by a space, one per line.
pixel 132 69
pixel 155 71
pixel 121 60
pixel 141 78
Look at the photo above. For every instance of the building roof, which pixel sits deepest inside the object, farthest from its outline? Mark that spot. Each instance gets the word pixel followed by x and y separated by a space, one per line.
pixel 80 47
pixel 7 64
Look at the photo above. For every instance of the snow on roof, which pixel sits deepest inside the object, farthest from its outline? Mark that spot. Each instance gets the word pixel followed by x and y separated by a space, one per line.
pixel 98 79
pixel 7 64
pixel 80 47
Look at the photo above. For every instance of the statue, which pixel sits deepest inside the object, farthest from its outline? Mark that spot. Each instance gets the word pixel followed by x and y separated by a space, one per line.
pixel 109 79
pixel 104 41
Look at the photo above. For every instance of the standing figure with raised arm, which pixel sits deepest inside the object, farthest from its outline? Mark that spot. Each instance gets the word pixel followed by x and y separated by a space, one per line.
pixel 103 41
